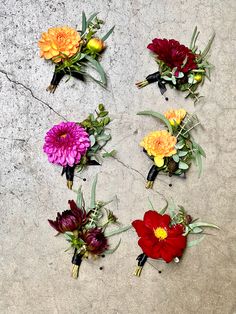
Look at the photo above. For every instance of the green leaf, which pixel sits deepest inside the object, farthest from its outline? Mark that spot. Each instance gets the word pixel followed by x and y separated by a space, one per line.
pixel 182 153
pixel 93 193
pixel 80 198
pixel 157 115
pixel 113 250
pixel 194 242
pixel 84 23
pixel 199 163
pixel 92 140
pixel 91 18
pixel 201 151
pixel 180 144
pixel 196 230
pixel 208 47
pixel 192 38
pixel 150 203
pixel 109 154
pixel 176 158
pixel 117 231
pixel 163 210
pixel 203 224
pixel 98 67
pixel 183 165
pixel 108 33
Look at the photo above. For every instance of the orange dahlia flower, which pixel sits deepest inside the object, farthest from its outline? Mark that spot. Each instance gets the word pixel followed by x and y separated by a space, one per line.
pixel 159 144
pixel 175 116
pixel 58 43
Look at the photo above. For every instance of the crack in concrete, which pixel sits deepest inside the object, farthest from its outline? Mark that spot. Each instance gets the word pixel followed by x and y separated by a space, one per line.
pixel 128 167
pixel 135 170
pixel 32 94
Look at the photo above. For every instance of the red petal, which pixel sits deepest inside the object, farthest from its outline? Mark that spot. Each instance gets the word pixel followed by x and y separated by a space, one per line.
pixel 152 219
pixel 164 220
pixel 175 230
pixel 140 228
pixel 167 254
pixel 177 243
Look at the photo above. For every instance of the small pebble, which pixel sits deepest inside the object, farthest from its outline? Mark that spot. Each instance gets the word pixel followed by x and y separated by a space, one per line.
pixel 159 271
pixel 166 98
pixel 84 179
pixel 170 184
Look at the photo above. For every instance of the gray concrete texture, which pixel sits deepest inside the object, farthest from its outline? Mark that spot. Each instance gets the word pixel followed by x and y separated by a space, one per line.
pixel 35 270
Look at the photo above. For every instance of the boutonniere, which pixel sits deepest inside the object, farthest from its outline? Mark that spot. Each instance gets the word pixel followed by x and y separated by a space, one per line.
pixel 180 67
pixel 87 228
pixel 174 149
pixel 166 236
pixel 74 52
pixel 75 145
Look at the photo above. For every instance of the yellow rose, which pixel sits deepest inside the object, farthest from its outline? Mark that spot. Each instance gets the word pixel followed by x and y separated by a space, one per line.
pixel 175 116
pixel 58 43
pixel 159 144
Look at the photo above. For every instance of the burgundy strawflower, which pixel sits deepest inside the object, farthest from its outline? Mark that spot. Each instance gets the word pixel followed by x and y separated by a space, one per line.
pixel 69 220
pixel 174 54
pixel 95 240
pixel 66 143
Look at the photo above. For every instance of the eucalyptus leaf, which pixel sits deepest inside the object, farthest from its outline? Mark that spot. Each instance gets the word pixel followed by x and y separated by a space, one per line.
pixel 202 224
pixel 93 193
pixel 150 203
pixel 92 140
pixel 196 230
pixel 180 144
pixel 117 231
pixel 157 115
pixel 176 158
pixel 109 154
pixel 182 153
pixel 199 163
pixel 113 250
pixel 164 209
pixel 80 198
pixel 194 242
pixel 183 165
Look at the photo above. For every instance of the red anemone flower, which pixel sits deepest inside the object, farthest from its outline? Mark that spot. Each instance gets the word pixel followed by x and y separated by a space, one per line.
pixel 157 238
pixel 69 220
pixel 174 54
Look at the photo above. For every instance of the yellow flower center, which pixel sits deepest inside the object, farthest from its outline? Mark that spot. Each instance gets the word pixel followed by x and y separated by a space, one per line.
pixel 63 135
pixel 160 233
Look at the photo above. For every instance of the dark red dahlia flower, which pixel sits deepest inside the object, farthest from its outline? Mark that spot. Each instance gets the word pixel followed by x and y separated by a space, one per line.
pixel 157 238
pixel 174 54
pixel 69 220
pixel 95 240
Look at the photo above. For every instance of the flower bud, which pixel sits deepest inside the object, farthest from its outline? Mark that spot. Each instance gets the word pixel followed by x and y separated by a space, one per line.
pixel 95 45
pixel 198 77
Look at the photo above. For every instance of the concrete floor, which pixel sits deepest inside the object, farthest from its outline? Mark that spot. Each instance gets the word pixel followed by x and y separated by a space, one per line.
pixel 35 270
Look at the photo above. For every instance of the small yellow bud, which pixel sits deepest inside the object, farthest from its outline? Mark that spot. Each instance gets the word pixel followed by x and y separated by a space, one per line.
pixel 198 77
pixel 95 45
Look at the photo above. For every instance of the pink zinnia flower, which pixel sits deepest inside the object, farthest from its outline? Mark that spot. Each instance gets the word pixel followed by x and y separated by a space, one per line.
pixel 66 143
